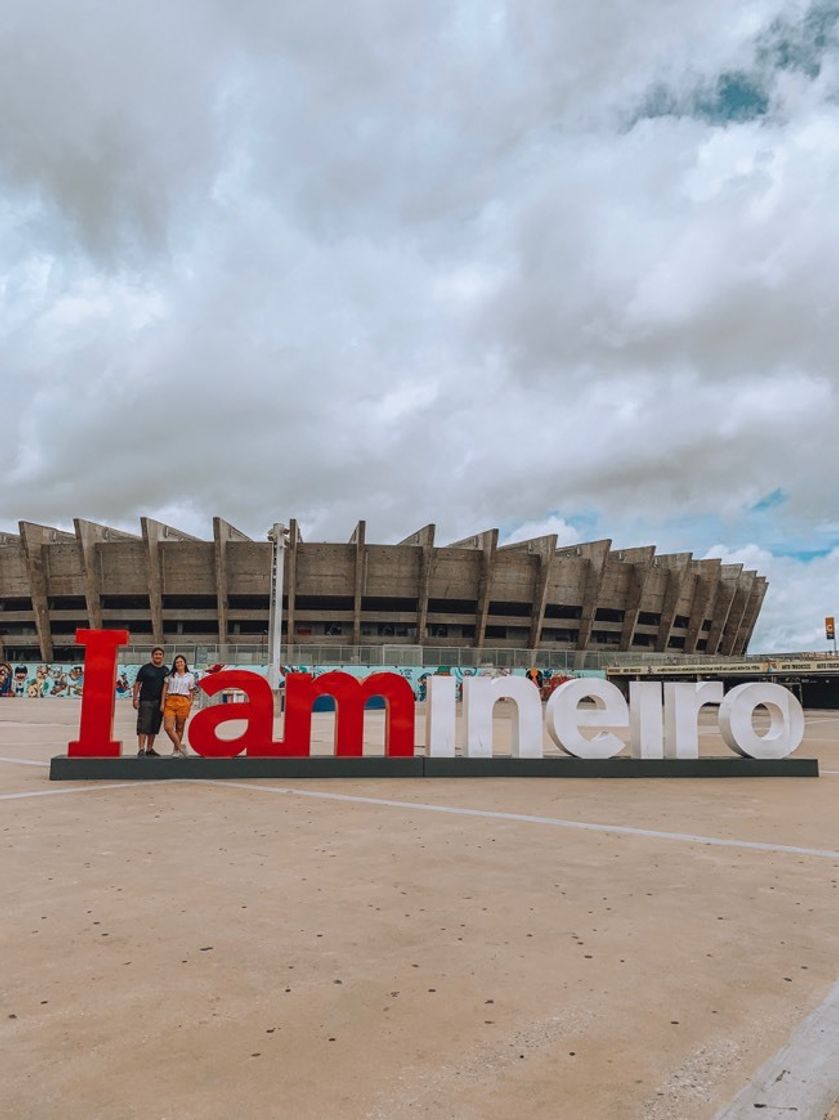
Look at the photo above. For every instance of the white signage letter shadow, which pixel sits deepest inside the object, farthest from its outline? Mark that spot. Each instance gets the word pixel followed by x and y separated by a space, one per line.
pixel 564 719
pixel 786 727
pixel 479 696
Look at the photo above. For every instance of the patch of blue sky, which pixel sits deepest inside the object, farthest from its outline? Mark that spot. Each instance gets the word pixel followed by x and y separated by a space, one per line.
pixel 585 523
pixel 801 45
pixel 803 555
pixel 767 524
pixel 735 97
pixel 732 97
pixel 745 95
pixel 771 501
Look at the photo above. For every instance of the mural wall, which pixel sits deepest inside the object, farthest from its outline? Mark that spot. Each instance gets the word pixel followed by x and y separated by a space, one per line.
pixel 35 681
pixel 39 681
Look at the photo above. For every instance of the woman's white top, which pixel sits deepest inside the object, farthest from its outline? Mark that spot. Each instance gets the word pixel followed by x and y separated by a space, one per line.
pixel 181 685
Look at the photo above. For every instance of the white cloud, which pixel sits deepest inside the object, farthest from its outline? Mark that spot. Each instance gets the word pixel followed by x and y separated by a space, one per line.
pixel 565 533
pixel 802 593
pixel 420 263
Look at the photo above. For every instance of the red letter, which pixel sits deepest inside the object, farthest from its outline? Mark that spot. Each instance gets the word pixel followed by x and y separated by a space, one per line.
pixel 258 711
pixel 96 720
pixel 350 695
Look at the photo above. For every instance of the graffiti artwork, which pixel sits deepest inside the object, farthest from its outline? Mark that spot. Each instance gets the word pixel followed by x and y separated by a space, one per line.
pixel 41 681
pixel 37 681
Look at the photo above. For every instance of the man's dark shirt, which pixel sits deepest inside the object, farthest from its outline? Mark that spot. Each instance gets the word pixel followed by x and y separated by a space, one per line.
pixel 150 679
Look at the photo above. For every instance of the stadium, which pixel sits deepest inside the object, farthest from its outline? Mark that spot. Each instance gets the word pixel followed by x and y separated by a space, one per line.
pixel 167 587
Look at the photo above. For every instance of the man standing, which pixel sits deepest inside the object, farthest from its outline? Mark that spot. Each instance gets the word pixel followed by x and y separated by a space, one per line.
pixel 148 690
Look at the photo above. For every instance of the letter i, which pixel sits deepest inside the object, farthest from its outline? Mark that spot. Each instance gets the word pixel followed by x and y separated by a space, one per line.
pixel 646 722
pixel 96 719
pixel 440 717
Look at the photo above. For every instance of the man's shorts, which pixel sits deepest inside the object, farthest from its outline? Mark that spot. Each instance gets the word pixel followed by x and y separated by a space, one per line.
pixel 178 706
pixel 149 717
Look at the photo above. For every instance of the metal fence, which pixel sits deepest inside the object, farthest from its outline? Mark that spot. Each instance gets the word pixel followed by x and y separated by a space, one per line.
pixel 421 656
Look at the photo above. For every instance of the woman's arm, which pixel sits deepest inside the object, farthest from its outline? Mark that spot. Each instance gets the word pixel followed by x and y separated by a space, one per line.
pixel 164 694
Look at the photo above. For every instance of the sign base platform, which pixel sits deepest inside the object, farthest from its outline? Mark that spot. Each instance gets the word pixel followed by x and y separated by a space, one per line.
pixel 130 768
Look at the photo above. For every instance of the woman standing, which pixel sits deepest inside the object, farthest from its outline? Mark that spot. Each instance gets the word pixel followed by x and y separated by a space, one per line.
pixel 178 690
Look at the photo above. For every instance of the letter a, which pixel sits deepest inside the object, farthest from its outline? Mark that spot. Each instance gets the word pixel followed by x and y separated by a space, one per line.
pixel 258 711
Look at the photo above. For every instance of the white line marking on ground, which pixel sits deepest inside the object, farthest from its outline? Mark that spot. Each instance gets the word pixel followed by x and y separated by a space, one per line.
pixel 524 818
pixel 803 1077
pixel 23 761
pixel 55 792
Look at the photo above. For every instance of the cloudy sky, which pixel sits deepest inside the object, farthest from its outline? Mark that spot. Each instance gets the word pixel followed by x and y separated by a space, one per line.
pixel 536 265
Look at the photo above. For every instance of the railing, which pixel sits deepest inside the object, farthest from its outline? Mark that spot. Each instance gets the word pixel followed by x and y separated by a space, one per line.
pixel 420 656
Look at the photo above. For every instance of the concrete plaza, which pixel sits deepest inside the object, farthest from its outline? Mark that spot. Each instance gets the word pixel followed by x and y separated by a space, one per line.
pixel 379 950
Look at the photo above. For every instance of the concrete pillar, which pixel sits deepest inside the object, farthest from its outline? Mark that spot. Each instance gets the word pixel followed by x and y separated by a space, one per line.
pixel 8 540
pixel 546 552
pixel 704 594
pixel 35 538
pixel 153 533
pixel 729 575
pixel 750 615
pixel 88 535
pixel 357 539
pixel 489 546
pixel 641 560
pixel 595 552
pixel 678 575
pixel 545 549
pixel 424 538
pixel 740 602
pixel 223 532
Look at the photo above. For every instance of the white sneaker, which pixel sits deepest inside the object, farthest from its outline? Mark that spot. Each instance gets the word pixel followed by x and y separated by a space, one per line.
pixel 178 754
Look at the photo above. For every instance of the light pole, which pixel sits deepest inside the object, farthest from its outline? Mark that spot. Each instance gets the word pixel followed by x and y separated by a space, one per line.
pixel 278 536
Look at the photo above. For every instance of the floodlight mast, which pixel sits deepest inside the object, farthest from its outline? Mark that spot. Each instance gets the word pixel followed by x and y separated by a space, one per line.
pixel 278 536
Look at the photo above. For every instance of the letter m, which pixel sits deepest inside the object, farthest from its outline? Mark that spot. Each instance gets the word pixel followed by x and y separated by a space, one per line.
pixel 350 696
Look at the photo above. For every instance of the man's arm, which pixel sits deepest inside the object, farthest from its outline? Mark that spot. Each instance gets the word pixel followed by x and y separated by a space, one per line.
pixel 136 694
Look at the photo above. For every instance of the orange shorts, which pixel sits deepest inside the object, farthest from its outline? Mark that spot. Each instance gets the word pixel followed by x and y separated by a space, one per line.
pixel 177 706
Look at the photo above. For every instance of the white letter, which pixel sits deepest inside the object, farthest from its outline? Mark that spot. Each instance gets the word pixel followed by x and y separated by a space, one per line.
pixel 786 727
pixel 681 708
pixel 646 730
pixel 480 694
pixel 440 717
pixel 564 718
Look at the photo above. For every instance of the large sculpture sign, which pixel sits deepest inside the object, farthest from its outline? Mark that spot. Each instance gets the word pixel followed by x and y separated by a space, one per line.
pixel 662 723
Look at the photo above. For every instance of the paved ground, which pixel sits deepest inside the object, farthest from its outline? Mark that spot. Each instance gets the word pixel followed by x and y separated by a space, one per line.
pixel 213 950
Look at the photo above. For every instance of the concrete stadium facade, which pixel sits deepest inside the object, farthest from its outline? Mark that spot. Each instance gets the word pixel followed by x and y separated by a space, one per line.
pixel 166 586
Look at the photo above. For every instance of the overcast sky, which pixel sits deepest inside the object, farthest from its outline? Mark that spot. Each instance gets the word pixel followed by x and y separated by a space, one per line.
pixel 539 265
